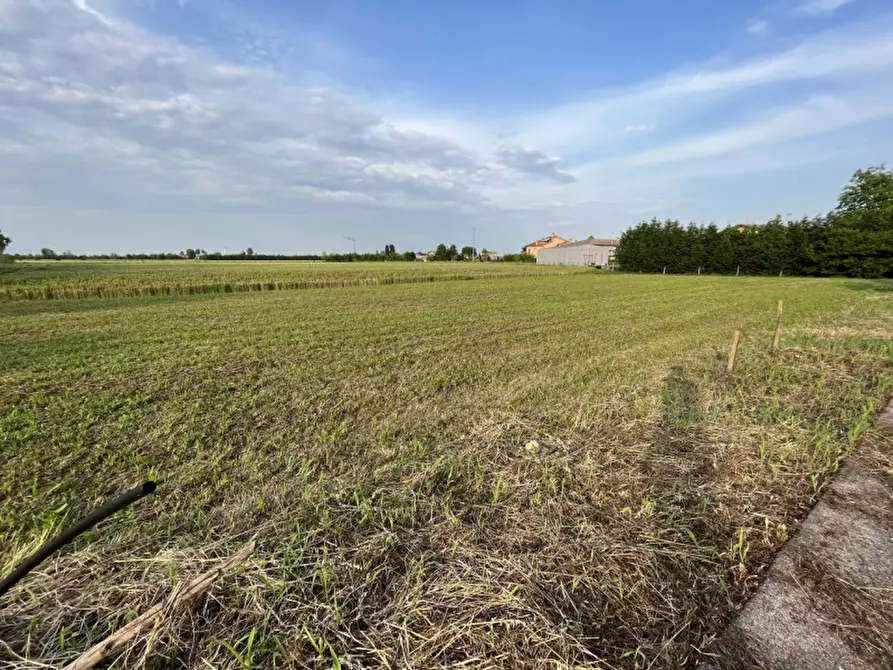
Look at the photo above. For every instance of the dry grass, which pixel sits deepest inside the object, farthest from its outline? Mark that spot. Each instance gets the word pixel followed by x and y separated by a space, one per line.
pixel 376 443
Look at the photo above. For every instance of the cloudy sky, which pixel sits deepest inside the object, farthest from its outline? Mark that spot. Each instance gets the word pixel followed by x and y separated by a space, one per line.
pixel 149 125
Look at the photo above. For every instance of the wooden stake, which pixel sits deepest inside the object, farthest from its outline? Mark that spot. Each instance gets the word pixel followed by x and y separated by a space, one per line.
pixel 665 269
pixel 734 350
pixel 777 339
pixel 154 615
pixel 738 271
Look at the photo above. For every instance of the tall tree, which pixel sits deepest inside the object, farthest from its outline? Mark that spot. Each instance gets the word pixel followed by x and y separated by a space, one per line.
pixel 441 253
pixel 4 242
pixel 869 191
pixel 860 238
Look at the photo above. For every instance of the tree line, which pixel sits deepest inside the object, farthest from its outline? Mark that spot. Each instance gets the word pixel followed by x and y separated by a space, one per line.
pixel 188 254
pixel 854 240
pixel 390 253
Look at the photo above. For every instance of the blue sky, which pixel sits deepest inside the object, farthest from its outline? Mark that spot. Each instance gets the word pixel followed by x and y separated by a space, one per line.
pixel 150 125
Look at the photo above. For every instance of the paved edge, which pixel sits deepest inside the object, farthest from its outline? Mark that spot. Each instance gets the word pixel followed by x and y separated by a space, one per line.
pixel 826 600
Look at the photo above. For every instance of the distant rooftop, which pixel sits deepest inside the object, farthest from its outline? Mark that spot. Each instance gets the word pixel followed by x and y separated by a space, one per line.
pixel 599 242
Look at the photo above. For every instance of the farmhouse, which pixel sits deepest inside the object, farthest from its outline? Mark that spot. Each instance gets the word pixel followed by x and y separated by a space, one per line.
pixel 591 251
pixel 544 243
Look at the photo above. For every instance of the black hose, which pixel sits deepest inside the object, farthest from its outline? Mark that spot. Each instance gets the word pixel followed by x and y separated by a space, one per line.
pixel 72 532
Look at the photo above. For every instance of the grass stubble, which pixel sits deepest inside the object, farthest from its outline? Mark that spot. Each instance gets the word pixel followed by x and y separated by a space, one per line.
pixel 542 472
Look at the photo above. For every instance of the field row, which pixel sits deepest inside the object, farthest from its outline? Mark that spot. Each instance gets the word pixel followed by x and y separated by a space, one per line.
pixel 75 280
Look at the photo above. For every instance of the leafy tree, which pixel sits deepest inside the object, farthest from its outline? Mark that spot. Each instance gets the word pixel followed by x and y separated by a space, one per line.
pixel 441 253
pixel 467 253
pixel 191 253
pixel 869 191
pixel 4 242
pixel 249 252
pixel 408 255
pixel 47 253
pixel 452 253
pixel 860 241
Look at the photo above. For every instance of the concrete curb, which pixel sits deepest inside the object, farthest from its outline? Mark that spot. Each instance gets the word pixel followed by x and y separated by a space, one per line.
pixel 827 601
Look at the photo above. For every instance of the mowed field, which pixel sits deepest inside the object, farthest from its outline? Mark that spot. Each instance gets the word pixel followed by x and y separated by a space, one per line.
pixel 539 471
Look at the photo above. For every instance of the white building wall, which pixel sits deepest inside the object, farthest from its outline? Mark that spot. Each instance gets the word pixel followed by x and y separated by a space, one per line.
pixel 582 254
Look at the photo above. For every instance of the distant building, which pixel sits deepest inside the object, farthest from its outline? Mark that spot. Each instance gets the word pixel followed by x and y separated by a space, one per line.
pixel 544 243
pixel 592 252
pixel 490 256
pixel 421 257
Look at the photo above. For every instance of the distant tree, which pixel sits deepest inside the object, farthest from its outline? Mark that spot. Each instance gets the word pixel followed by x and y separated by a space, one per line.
pixel 453 253
pixel 696 250
pixel 858 239
pixel 725 260
pixel 408 255
pixel 441 253
pixel 249 252
pixel 4 242
pixel 467 253
pixel 47 253
pixel 870 191
pixel 191 253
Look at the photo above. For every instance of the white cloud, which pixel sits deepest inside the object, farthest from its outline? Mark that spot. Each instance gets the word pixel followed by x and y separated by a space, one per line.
pixel 580 126
pixel 822 7
pixel 819 115
pixel 101 109
pixel 757 27
pixel 533 162
pixel 84 7
pixel 638 128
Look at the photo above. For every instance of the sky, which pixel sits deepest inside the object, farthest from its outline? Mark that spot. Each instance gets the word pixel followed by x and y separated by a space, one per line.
pixel 286 125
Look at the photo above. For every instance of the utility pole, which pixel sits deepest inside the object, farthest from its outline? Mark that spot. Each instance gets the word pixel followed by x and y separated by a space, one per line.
pixel 354 240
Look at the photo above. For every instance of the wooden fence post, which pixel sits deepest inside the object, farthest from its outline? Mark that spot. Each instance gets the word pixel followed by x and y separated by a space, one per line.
pixel 738 271
pixel 733 352
pixel 777 339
